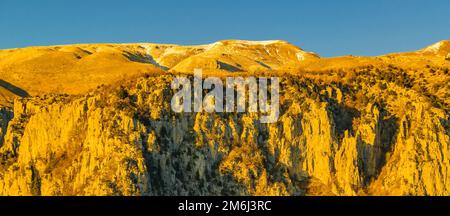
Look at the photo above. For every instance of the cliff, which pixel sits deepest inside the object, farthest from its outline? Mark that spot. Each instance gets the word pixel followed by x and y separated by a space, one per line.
pixel 376 129
pixel 105 144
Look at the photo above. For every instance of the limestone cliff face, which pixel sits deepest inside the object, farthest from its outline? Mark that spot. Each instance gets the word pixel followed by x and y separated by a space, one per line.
pixel 127 141
pixel 419 163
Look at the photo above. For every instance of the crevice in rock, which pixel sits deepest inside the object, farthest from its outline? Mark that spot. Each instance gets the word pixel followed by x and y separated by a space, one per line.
pixel 343 118
pixel 373 156
pixel 35 181
pixel 6 115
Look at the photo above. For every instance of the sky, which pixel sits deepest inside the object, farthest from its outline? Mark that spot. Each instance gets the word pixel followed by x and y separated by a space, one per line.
pixel 327 27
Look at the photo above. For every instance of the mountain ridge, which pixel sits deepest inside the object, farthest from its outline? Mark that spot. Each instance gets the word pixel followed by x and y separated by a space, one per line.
pixel 70 62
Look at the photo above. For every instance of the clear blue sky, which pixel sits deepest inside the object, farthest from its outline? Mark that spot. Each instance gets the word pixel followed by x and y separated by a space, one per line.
pixel 329 28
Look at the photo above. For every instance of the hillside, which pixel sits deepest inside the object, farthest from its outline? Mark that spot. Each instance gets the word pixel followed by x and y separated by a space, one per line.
pixel 96 120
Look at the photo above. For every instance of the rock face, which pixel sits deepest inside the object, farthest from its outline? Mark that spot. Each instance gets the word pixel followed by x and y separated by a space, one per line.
pixel 97 120
pixel 126 141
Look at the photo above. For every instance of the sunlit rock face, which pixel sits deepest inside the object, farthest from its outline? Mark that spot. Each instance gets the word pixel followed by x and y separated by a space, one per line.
pixel 355 126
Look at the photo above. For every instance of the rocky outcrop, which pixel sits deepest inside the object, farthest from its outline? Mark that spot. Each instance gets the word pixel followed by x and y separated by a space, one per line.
pixel 127 141
pixel 419 163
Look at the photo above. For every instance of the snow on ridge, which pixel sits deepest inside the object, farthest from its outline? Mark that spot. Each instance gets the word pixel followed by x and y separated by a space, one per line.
pixel 435 47
pixel 265 42
pixel 211 45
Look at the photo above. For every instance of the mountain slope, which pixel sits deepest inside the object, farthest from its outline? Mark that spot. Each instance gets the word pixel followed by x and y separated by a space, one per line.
pixel 75 69
pixel 248 56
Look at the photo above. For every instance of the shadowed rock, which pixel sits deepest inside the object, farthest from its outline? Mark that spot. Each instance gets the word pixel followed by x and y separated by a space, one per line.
pixel 144 58
pixel 14 89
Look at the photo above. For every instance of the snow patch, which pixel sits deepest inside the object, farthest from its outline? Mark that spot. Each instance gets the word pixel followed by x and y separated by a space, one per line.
pixel 300 56
pixel 264 43
pixel 435 47
pixel 212 45
pixel 439 47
